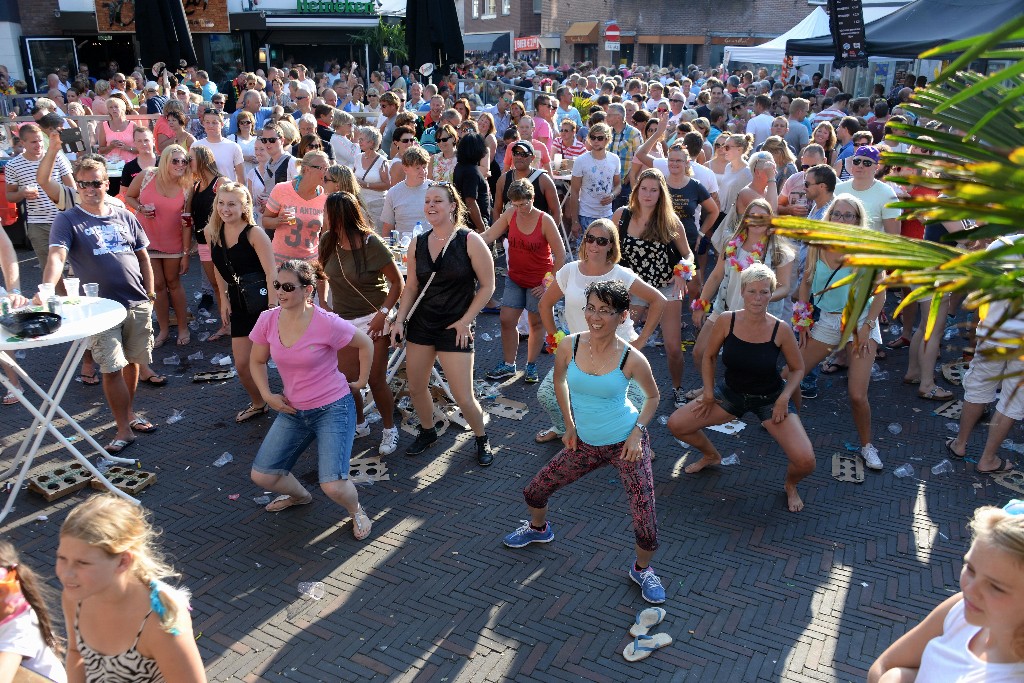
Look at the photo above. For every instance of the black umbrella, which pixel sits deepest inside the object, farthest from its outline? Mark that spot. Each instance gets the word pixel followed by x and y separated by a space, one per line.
pixel 432 34
pixel 163 33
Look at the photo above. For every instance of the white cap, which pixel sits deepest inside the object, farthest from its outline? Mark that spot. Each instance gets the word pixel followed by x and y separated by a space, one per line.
pixel 152 85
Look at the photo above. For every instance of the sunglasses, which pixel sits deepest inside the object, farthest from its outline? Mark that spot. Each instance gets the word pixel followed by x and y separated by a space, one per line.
pixel 95 184
pixel 300 99
pixel 446 139
pixel 245 123
pixel 267 141
pixel 808 183
pixel 523 155
pixel 182 162
pixel 407 141
pixel 804 167
pixel 318 168
pixel 845 216
pixel 212 111
pixel 287 286
pixel 866 163
pixel 598 138
pixel 599 241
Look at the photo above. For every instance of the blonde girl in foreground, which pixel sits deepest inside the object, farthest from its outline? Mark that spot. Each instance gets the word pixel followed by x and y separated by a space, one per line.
pixel 112 574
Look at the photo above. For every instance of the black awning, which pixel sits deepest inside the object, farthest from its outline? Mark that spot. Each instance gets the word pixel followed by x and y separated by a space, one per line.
pixel 487 42
pixel 920 26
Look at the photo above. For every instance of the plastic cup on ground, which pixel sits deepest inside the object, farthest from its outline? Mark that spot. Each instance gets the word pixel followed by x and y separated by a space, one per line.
pixel 71 285
pixel 92 289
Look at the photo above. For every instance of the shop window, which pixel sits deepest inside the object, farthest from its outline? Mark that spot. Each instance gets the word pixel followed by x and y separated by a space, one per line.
pixel 491 9
pixel 476 9
pixel 224 48
pixel 506 7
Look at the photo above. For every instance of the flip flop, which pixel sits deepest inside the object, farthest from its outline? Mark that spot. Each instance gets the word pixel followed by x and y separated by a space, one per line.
pixel 157 343
pixel 249 412
pixel 1004 466
pixel 117 445
pixel 154 381
pixel 646 620
pixel 832 368
pixel 218 334
pixel 547 435
pixel 949 447
pixel 898 343
pixel 643 646
pixel 142 426
pixel 361 524
pixel 10 399
pixel 934 394
pixel 285 502
pixel 184 341
pixel 88 380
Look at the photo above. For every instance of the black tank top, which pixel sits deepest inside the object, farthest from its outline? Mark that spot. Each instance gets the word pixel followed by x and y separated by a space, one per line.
pixel 539 200
pixel 202 208
pixel 243 257
pixel 751 368
pixel 452 289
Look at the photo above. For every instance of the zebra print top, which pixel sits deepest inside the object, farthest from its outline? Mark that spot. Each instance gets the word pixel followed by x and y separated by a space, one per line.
pixel 127 667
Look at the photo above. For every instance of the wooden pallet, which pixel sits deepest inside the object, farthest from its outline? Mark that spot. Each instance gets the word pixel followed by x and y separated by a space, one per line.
pixel 126 479
pixel 60 481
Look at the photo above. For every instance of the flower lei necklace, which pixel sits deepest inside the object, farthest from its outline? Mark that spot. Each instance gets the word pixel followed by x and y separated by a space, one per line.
pixel 755 254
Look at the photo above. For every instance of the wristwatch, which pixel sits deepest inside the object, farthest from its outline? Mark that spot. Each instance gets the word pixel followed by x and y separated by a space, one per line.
pixel 384 310
pixel 872 324
pixel 152 296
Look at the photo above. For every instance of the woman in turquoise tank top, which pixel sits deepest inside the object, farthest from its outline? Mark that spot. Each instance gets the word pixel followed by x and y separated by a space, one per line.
pixel 602 427
pixel 824 268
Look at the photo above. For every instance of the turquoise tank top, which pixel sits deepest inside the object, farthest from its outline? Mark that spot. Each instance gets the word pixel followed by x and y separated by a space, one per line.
pixel 603 413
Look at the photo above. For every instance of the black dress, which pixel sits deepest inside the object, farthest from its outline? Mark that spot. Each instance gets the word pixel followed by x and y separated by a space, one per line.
pixel 244 260
pixel 202 208
pixel 449 295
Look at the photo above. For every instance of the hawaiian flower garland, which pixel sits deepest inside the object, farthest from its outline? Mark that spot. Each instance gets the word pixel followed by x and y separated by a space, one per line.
pixel 553 340
pixel 684 269
pixel 803 316
pixel 755 254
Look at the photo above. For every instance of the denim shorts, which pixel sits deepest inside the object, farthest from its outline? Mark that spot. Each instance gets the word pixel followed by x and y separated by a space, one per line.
pixel 332 425
pixel 518 297
pixel 738 404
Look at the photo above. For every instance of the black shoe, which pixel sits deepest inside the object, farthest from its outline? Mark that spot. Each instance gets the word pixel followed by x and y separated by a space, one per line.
pixel 484 456
pixel 424 440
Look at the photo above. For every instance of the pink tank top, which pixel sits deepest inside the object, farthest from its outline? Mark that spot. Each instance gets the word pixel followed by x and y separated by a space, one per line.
pixel 124 136
pixel 529 256
pixel 163 230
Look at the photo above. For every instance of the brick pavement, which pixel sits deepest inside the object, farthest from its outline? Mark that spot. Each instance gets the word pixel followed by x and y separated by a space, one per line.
pixel 755 593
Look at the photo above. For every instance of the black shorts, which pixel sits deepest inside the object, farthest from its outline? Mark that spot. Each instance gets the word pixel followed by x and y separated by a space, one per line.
pixel 440 337
pixel 739 404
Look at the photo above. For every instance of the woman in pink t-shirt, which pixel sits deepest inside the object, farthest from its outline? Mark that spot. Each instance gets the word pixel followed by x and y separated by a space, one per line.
pixel 316 402
pixel 295 211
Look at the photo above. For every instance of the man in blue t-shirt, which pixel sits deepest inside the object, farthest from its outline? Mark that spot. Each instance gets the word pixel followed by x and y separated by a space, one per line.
pixel 106 245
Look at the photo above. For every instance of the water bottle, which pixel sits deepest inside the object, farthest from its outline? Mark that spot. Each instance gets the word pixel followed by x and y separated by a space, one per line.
pixel 418 229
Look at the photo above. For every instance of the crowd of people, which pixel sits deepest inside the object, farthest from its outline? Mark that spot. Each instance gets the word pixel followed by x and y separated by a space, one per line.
pixel 337 224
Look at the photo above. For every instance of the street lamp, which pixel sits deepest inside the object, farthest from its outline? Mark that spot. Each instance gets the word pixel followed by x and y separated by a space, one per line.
pixel 263 57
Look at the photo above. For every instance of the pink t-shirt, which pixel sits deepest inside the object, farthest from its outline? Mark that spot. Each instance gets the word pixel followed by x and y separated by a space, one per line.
pixel 309 368
pixel 301 240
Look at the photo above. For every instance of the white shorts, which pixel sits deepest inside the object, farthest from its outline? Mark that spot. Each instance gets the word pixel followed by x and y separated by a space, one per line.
pixel 985 375
pixel 363 323
pixel 829 329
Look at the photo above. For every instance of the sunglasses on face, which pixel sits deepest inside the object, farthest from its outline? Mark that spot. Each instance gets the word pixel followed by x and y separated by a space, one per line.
pixel 316 168
pixel 95 184
pixel 866 163
pixel 517 153
pixel 599 241
pixel 220 102
pixel 808 183
pixel 845 216
pixel 268 141
pixel 182 162
pixel 598 138
pixel 447 139
pixel 287 286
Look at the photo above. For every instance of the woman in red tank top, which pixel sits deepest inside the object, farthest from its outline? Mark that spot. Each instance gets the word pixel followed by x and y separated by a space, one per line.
pixel 534 249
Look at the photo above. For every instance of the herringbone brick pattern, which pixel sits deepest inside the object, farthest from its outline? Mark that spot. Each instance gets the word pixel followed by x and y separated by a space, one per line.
pixel 754 593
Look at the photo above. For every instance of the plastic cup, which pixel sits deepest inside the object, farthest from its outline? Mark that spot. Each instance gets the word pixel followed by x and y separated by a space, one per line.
pixel 46 291
pixel 71 285
pixel 92 289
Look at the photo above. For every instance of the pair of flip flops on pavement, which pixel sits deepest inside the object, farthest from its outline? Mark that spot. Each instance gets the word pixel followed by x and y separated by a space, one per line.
pixel 643 644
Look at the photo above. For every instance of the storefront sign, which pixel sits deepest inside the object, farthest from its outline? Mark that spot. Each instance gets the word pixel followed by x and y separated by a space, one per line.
pixel 527 43
pixel 846 22
pixel 203 16
pixel 334 7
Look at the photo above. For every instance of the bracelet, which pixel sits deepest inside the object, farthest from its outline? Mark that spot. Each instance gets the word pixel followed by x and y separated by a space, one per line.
pixel 684 269
pixel 700 305
pixel 803 316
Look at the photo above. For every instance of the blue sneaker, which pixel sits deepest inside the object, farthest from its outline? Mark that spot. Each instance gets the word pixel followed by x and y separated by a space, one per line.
pixel 501 372
pixel 525 535
pixel 531 374
pixel 650 585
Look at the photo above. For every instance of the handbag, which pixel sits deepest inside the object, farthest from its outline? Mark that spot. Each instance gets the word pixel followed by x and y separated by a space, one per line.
pixel 251 287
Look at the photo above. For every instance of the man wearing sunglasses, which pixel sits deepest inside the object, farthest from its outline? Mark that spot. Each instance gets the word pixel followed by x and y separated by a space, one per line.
pixel 106 245
pixel 874 194
pixel 282 166
pixel 595 182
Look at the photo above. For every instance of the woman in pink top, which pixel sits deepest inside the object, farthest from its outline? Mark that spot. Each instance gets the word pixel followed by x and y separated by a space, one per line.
pixel 295 211
pixel 158 196
pixel 316 402
pixel 115 139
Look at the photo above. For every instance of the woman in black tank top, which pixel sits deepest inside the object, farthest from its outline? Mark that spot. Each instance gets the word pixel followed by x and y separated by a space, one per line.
pixel 751 341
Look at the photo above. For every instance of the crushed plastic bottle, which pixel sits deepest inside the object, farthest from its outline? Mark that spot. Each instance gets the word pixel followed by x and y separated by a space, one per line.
pixel 949 333
pixel 224 459
pixel 485 336
pixel 216 358
pixel 104 464
pixel 20 354
pixel 314 590
pixel 663 420
pixel 261 500
pixel 942 467
pixel 203 336
pixel 176 416
pixel 953 427
pixel 405 403
pixel 896 330
pixel 203 313
pixel 198 355
pixel 172 360
pixel 193 325
pixel 731 460
pixel 225 360
pixel 271 364
pixel 895 428
pixel 1015 447
pixel 903 471
pixel 877 374
pixel 372 417
pixel 486 390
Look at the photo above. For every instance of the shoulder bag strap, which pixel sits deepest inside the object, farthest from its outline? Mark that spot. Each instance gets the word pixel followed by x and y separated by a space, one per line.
pixel 430 279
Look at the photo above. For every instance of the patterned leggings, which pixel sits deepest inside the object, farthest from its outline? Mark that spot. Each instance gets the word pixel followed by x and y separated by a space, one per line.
pixel 568 466
pixel 546 397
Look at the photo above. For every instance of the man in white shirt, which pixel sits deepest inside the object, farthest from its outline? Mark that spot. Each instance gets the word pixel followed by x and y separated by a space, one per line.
pixel 226 152
pixel 595 182
pixel 761 125
pixel 655 97
pixel 403 205
pixel 565 109
pixel 305 80
pixel 874 194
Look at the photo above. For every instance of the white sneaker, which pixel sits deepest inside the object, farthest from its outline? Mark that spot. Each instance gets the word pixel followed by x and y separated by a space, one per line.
pixel 388 441
pixel 362 429
pixel 870 455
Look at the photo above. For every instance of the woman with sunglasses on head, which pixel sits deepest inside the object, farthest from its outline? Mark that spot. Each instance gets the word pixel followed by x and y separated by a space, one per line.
pixel 450 279
pixel 159 196
pixel 442 164
pixel 365 286
pixel 372 172
pixel 206 179
pixel 599 260
pixel 27 638
pixel 977 634
pixel 603 426
pixel 485 126
pixel 316 402
pixel 244 258
pixel 820 338
pixel 751 340
pixel 177 124
pixel 295 211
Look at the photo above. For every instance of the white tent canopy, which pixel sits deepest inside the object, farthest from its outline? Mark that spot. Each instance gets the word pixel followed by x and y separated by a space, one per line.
pixel 813 25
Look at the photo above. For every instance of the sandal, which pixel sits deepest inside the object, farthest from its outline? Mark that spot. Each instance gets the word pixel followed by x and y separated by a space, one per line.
pixel 159 341
pixel 154 381
pixel 10 399
pixel 832 367
pixel 89 380
pixel 142 426
pixel 900 342
pixel 251 411
pixel 547 435
pixel 117 445
pixel 643 646
pixel 184 341
pixel 285 502
pixel 934 394
pixel 646 620
pixel 361 524
pixel 1004 466
pixel 949 447
pixel 218 334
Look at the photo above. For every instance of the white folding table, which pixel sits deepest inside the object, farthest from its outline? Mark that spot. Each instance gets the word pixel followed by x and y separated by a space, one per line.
pixel 91 315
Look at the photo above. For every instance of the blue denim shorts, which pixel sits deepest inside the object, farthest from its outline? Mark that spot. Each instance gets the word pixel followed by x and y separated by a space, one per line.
pixel 518 297
pixel 333 426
